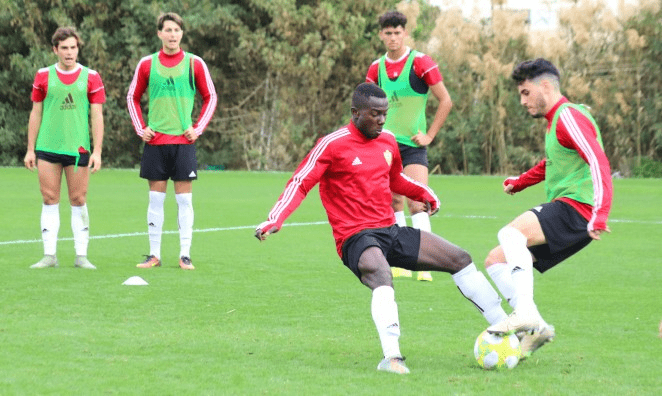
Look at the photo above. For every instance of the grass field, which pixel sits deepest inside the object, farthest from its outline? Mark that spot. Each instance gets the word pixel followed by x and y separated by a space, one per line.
pixel 286 317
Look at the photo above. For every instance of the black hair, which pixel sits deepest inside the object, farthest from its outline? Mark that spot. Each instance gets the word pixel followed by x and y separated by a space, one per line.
pixel 364 92
pixel 392 19
pixel 531 69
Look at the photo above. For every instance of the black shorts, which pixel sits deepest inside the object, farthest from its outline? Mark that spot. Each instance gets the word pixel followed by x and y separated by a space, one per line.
pixel 400 245
pixel 413 155
pixel 169 161
pixel 565 231
pixel 65 160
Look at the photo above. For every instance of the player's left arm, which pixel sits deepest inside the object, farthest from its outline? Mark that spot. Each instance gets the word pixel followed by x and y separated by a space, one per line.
pixel 97 97
pixel 205 85
pixel 96 120
pixel 578 133
pixel 445 104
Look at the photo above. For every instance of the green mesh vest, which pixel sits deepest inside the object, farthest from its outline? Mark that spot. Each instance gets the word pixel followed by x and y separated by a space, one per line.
pixel 171 96
pixel 566 173
pixel 65 118
pixel 406 107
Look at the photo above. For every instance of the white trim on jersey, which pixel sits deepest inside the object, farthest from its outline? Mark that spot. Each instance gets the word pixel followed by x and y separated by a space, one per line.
pixel 578 137
pixel 135 119
pixel 211 106
pixel 298 177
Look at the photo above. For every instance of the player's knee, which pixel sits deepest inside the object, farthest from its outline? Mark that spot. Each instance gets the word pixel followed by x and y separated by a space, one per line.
pixel 461 259
pixel 50 197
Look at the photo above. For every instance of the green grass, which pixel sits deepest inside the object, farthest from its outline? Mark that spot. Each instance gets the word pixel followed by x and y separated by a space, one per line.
pixel 286 317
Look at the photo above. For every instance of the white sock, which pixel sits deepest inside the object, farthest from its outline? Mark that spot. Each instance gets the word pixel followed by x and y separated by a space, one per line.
pixel 185 213
pixel 421 221
pixel 400 219
pixel 475 287
pixel 50 226
pixel 501 275
pixel 513 243
pixel 385 315
pixel 155 222
pixel 80 225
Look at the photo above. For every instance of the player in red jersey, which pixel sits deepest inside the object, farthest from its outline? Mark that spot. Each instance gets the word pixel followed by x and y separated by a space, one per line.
pixel 357 167
pixel 578 184
pixel 67 98
pixel 408 76
pixel 172 77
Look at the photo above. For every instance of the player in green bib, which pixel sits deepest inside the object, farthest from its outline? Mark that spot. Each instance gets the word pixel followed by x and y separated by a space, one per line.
pixel 578 186
pixel 408 76
pixel 172 78
pixel 67 98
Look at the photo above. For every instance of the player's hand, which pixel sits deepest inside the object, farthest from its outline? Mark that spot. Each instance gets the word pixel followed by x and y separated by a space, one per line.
pixel 95 162
pixel 148 134
pixel 509 185
pixel 421 139
pixel 30 161
pixel 430 208
pixel 595 234
pixel 265 229
pixel 190 134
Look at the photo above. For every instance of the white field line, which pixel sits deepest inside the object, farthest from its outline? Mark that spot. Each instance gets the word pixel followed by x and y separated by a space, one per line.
pixel 252 227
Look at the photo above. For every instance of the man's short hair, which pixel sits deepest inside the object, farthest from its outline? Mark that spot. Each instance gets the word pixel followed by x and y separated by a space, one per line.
pixel 364 92
pixel 64 33
pixel 532 69
pixel 392 19
pixel 169 16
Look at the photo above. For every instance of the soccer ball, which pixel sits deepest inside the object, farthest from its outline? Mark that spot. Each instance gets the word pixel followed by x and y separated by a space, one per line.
pixel 496 352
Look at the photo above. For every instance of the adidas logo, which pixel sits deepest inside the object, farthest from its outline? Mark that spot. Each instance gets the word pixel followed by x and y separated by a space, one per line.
pixel 357 161
pixel 538 209
pixel 169 83
pixel 86 229
pixel 192 174
pixel 516 269
pixel 68 103
pixel 393 326
pixel 44 230
pixel 151 224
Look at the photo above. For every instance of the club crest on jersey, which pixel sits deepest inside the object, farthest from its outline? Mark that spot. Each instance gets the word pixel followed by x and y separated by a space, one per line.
pixel 388 156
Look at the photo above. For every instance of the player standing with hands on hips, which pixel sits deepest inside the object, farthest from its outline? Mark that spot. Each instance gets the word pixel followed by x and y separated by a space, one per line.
pixel 579 192
pixel 67 97
pixel 357 167
pixel 172 77
pixel 407 76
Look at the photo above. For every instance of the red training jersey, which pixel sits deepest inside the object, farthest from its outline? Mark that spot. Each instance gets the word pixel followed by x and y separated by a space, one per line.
pixel 576 132
pixel 356 177
pixel 96 93
pixel 424 67
pixel 140 83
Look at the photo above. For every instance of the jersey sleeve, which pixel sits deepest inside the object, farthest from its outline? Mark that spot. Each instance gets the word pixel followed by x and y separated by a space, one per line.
pixel 307 175
pixel 427 70
pixel 136 90
pixel 404 185
pixel 40 85
pixel 373 73
pixel 527 179
pixel 96 92
pixel 205 86
pixel 575 131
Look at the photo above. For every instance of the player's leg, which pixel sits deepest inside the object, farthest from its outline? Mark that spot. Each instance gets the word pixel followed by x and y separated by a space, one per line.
pixel 154 168
pixel 50 180
pixel 437 254
pixel 514 239
pixel 375 273
pixel 77 183
pixel 185 172
pixel 419 216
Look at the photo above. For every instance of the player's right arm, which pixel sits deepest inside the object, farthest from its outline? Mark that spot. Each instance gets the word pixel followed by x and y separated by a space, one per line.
pixel 529 178
pixel 33 130
pixel 306 176
pixel 136 90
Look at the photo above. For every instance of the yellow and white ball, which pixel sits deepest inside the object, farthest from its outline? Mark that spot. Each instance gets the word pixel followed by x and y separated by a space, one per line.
pixel 496 352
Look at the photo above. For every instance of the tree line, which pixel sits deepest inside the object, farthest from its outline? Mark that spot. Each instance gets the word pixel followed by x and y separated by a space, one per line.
pixel 284 71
